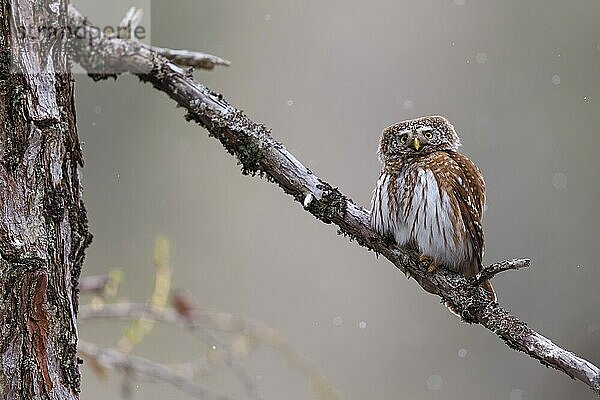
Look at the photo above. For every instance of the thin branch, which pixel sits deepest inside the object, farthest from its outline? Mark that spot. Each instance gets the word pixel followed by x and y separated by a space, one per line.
pixel 130 22
pixel 492 270
pixel 184 58
pixel 259 153
pixel 201 320
pixel 233 362
pixel 114 359
pixel 193 59
pixel 219 348
pixel 93 284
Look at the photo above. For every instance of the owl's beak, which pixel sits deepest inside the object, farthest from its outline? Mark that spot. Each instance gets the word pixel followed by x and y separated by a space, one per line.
pixel 417 144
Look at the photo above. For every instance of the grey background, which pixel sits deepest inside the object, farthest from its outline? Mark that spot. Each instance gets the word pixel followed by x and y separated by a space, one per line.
pixel 328 76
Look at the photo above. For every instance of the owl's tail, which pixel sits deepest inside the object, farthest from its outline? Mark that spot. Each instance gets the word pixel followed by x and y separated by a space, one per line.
pixel 487 285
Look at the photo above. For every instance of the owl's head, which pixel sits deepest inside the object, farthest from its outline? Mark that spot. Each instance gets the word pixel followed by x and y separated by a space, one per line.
pixel 416 137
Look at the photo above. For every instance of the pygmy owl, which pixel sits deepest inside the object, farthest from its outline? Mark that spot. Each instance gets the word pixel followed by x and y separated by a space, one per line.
pixel 430 197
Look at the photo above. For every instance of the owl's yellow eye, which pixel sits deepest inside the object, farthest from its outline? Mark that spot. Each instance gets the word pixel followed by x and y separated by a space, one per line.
pixel 428 135
pixel 404 137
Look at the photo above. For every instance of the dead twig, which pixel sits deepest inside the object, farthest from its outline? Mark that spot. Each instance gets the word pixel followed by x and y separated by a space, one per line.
pixel 492 270
pixel 144 368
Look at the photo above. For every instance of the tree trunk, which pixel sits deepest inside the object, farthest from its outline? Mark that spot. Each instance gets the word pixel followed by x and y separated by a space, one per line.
pixel 43 222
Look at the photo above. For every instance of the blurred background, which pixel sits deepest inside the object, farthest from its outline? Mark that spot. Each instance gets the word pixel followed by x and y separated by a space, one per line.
pixel 520 82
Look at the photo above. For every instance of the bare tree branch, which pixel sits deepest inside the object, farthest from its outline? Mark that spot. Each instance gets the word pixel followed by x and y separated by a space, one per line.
pixel 220 350
pixel 112 358
pixel 185 58
pixel 93 284
pixel 259 153
pixel 245 335
pixel 193 59
pixel 130 22
pixel 142 324
pixel 492 270
pixel 201 320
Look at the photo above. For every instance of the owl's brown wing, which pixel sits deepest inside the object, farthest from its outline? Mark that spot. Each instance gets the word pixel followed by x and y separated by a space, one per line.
pixel 460 178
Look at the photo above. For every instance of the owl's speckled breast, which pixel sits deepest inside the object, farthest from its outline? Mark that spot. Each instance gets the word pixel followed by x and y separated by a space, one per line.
pixel 409 207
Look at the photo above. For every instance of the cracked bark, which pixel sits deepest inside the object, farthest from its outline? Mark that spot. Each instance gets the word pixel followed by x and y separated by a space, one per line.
pixel 43 222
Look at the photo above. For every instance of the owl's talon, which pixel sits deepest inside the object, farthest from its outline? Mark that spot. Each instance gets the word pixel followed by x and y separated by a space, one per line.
pixel 432 266
pixel 432 263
